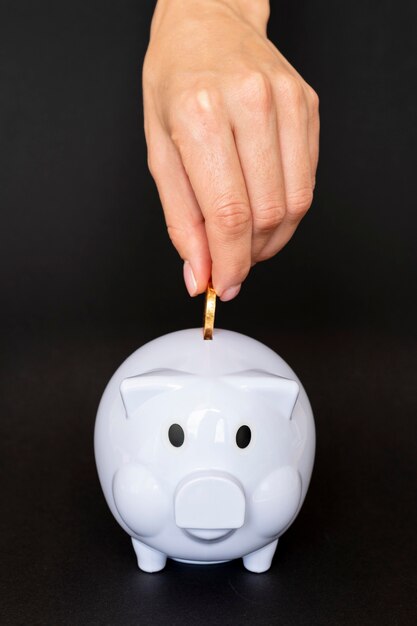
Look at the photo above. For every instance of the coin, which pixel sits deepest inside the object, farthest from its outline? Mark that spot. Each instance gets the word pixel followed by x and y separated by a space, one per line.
pixel 209 311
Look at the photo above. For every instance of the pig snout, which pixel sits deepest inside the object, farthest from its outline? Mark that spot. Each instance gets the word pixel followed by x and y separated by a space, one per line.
pixel 209 505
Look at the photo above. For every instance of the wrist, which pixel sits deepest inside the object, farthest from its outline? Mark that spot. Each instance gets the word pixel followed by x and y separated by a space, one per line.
pixel 255 12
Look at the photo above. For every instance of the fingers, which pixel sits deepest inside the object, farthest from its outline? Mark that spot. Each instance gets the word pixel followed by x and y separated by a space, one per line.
pixel 204 138
pixel 235 179
pixel 297 132
pixel 183 217
pixel 257 141
pixel 294 146
pixel 276 135
pixel 298 128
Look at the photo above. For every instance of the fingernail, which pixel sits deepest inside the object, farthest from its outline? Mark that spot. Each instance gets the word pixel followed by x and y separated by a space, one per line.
pixel 230 293
pixel 189 279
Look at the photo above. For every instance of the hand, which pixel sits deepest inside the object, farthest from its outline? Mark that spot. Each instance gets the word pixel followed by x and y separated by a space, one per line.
pixel 232 132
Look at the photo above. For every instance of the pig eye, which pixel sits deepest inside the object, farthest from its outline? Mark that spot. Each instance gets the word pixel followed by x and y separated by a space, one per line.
pixel 243 436
pixel 176 435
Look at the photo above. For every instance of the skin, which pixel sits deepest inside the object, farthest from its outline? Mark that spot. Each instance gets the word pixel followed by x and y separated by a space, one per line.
pixel 232 132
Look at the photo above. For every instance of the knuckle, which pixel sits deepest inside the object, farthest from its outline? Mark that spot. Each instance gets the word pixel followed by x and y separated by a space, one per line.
pixel 256 93
pixel 152 163
pixel 195 110
pixel 156 159
pixel 232 216
pixel 269 217
pixel 291 88
pixel 264 255
pixel 176 236
pixel 200 101
pixel 299 202
pixel 181 233
pixel 313 99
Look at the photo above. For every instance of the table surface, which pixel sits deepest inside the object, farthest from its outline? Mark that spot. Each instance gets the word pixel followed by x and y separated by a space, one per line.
pixel 349 558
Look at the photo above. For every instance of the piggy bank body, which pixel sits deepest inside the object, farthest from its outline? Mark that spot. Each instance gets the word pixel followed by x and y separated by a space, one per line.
pixel 204 449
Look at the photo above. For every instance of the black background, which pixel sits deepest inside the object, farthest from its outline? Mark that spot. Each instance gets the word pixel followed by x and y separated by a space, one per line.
pixel 88 275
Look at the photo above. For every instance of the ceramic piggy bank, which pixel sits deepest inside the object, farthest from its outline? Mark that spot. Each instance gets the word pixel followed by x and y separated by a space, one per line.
pixel 204 449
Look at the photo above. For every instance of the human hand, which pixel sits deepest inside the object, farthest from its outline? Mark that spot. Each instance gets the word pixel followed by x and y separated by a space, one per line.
pixel 232 132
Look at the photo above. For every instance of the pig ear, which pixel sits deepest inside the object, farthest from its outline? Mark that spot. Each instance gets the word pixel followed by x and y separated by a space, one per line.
pixel 282 392
pixel 138 389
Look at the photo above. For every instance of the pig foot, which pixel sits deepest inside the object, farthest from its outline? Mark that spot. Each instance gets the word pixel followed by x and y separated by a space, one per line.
pixel 260 560
pixel 149 560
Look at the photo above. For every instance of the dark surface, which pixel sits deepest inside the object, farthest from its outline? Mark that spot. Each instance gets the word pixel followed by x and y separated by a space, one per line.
pixel 88 275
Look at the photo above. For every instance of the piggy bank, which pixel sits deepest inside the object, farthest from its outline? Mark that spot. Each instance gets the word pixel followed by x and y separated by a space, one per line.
pixel 204 449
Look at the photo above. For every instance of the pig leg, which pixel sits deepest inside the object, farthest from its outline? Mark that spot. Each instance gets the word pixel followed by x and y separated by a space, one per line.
pixel 149 560
pixel 260 560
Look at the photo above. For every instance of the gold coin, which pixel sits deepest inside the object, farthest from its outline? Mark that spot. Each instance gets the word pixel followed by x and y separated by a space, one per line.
pixel 209 311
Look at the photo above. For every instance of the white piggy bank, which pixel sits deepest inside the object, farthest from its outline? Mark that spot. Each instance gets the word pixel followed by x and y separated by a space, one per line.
pixel 204 449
